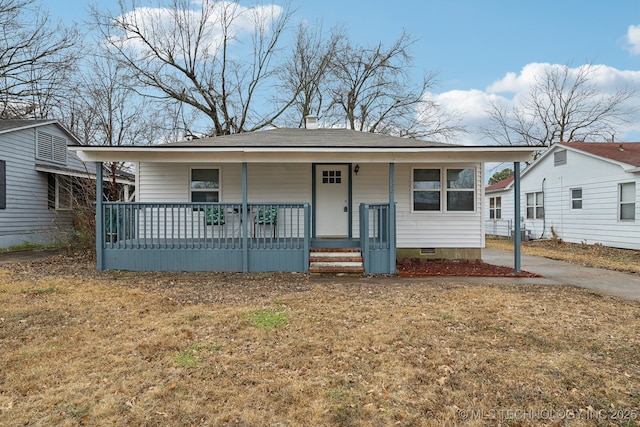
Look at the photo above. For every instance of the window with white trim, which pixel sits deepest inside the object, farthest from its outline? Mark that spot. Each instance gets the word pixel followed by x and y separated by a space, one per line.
pixel 576 198
pixel 429 195
pixel 495 207
pixel 535 205
pixel 60 193
pixel 627 201
pixel 205 185
pixel 461 189
pixel 426 189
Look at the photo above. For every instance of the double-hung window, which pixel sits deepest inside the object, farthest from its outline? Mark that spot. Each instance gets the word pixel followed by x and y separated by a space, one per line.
pixel 576 198
pixel 59 195
pixel 427 188
pixel 535 205
pixel 205 185
pixel 495 207
pixel 429 194
pixel 460 189
pixel 627 201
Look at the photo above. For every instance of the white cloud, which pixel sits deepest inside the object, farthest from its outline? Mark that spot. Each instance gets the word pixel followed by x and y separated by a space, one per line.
pixel 164 27
pixel 472 105
pixel 633 39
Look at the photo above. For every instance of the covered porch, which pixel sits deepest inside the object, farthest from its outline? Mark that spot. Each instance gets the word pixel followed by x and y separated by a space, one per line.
pixel 235 237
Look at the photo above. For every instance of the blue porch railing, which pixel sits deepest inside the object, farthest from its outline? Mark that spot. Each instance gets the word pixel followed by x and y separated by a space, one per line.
pixel 377 238
pixel 205 236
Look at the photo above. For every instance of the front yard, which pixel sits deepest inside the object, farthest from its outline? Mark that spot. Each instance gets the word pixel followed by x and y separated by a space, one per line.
pixel 119 348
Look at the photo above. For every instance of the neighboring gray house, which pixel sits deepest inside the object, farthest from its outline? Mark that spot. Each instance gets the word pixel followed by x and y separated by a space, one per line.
pixel 291 199
pixel 36 186
pixel 578 191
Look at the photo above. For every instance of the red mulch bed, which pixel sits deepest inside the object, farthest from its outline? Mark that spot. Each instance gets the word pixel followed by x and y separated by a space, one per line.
pixel 423 268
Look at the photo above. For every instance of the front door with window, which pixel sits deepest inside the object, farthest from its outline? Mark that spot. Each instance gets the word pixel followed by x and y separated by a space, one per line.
pixel 332 201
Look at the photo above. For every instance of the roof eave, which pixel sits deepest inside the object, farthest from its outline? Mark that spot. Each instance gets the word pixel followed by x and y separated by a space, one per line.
pixel 300 154
pixel 28 126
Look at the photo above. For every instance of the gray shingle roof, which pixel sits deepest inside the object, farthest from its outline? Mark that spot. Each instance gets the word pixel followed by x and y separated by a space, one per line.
pixel 343 138
pixel 11 124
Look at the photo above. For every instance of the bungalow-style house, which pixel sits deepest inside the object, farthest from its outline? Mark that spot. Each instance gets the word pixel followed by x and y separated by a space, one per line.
pixel 36 181
pixel 293 199
pixel 576 191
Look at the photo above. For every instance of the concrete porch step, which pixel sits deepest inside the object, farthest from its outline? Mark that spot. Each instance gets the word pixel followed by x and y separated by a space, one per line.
pixel 335 261
pixel 336 257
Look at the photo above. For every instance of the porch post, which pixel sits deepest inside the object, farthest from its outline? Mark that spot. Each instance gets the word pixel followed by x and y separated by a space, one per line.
pixel 392 220
pixel 245 216
pixel 516 219
pixel 307 236
pixel 99 219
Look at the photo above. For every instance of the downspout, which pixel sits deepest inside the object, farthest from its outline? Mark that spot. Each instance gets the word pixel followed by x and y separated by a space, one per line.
pixel 99 219
pixel 544 213
pixel 516 219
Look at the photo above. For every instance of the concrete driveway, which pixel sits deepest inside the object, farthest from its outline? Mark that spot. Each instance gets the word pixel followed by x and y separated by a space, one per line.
pixel 554 272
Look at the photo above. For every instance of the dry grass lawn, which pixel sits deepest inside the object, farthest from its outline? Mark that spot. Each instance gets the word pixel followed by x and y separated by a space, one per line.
pixel 145 349
pixel 588 255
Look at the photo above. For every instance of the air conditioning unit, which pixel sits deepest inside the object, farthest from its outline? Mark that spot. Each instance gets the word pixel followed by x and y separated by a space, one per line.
pixel 525 235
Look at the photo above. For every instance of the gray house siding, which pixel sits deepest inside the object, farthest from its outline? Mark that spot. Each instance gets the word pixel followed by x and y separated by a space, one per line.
pixel 26 216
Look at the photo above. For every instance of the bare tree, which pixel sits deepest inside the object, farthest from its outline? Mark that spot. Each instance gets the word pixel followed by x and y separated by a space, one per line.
pixel 563 104
pixel 35 57
pixel 197 57
pixel 306 71
pixel 373 92
pixel 111 113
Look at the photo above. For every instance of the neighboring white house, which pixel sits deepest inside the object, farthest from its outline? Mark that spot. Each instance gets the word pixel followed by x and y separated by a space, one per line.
pixel 201 204
pixel 577 191
pixel 498 208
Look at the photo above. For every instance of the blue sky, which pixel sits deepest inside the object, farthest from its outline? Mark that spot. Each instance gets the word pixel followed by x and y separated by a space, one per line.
pixel 471 43
pixel 481 49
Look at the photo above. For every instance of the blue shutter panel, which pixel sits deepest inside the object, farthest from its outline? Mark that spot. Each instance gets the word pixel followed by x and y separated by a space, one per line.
pixel 3 184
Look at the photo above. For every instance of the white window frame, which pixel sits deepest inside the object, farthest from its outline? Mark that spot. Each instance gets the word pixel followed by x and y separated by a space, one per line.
pixel 205 190
pixel 434 190
pixel 444 189
pixel 534 202
pixel 575 199
pixel 450 190
pixel 631 201
pixel 61 193
pixel 495 207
